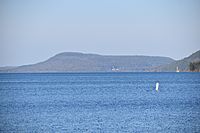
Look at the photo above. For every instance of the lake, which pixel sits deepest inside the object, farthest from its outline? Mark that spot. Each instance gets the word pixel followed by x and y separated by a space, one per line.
pixel 100 102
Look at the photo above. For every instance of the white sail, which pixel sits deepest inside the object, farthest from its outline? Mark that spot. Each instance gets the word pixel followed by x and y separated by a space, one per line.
pixel 157 86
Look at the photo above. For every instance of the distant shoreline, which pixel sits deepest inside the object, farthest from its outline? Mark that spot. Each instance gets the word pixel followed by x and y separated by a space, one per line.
pixel 85 72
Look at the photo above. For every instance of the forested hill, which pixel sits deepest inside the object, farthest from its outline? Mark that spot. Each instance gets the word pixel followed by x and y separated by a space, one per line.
pixel 80 62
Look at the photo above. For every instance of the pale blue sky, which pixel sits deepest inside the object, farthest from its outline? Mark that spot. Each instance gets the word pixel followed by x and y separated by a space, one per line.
pixel 34 30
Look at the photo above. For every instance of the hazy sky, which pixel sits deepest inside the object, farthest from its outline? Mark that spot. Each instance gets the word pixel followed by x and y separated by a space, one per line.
pixel 34 30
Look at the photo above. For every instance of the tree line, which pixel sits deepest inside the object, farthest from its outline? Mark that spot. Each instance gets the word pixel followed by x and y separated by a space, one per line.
pixel 194 66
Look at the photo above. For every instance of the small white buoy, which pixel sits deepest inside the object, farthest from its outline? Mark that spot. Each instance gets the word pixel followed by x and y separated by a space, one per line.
pixel 157 86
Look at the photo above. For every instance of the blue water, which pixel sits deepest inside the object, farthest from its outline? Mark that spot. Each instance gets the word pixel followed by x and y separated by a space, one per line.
pixel 100 102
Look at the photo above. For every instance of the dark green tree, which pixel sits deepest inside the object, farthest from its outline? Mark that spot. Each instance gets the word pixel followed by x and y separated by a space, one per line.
pixel 191 66
pixel 194 66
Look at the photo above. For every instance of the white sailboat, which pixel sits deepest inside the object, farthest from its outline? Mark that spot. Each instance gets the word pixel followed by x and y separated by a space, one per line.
pixel 177 70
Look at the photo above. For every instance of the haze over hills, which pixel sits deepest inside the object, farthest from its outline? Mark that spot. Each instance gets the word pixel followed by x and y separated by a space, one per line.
pixel 80 62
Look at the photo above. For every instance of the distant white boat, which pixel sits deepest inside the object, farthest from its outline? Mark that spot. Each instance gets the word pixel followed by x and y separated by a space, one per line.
pixel 177 70
pixel 157 86
pixel 114 69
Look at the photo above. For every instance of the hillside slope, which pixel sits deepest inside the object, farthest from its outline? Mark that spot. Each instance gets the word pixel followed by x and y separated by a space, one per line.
pixel 183 64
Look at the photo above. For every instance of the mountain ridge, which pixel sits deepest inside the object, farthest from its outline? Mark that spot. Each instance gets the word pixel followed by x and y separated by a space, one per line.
pixel 81 62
